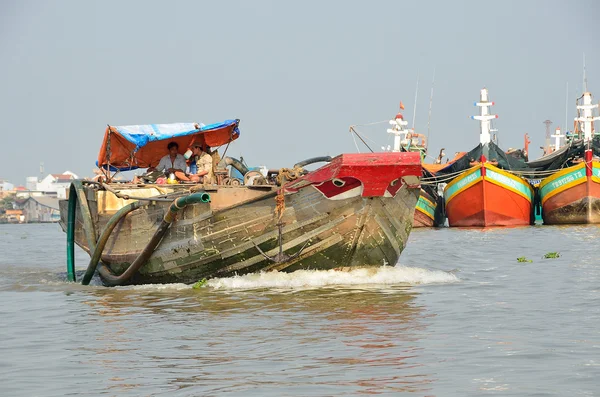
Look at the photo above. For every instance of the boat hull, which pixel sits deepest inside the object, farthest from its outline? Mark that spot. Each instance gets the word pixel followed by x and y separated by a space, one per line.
pixel 425 210
pixel 486 196
pixel 327 225
pixel 571 197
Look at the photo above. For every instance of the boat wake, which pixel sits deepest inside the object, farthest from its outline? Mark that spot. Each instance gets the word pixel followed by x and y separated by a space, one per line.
pixel 300 279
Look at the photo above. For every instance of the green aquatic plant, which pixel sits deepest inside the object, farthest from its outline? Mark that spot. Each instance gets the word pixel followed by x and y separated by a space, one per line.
pixel 523 259
pixel 552 255
pixel 200 284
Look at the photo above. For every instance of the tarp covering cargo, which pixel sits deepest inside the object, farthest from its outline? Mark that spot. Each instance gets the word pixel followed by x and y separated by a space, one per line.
pixel 492 153
pixel 142 146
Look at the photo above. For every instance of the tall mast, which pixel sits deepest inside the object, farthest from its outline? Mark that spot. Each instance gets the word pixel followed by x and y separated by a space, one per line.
pixel 484 117
pixel 567 108
pixel 586 122
pixel 415 107
pixel 430 103
pixel 584 75
pixel 557 135
pixel 399 131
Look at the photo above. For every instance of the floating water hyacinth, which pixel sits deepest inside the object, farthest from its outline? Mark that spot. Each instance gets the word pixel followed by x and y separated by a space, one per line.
pixel 552 255
pixel 199 284
pixel 523 259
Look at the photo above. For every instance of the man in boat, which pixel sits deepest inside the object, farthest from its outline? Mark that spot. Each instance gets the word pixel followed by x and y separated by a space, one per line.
pixel 204 164
pixel 172 163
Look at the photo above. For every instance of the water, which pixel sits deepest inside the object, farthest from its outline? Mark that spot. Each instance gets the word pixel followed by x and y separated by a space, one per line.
pixel 459 316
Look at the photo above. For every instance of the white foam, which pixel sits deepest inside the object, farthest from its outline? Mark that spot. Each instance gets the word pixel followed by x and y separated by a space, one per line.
pixel 381 276
pixel 157 287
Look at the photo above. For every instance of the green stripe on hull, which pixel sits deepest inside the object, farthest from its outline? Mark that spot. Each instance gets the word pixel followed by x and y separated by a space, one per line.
pixel 426 206
pixel 454 186
pixel 504 180
pixel 572 176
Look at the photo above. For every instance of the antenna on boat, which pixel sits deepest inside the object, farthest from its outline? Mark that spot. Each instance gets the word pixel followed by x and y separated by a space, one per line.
pixel 430 103
pixel 567 108
pixel 484 117
pixel 584 75
pixel 415 107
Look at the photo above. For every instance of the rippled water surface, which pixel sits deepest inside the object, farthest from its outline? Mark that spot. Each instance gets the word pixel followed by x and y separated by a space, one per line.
pixel 458 316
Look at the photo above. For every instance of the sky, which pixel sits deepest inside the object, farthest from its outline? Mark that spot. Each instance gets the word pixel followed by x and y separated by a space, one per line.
pixel 297 74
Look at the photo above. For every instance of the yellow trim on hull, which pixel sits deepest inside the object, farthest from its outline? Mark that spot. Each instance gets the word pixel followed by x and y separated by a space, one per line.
pixel 424 212
pixel 456 180
pixel 429 201
pixel 560 173
pixel 511 176
pixel 564 187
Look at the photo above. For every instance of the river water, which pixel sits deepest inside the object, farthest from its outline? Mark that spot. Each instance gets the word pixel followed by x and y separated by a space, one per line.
pixel 458 316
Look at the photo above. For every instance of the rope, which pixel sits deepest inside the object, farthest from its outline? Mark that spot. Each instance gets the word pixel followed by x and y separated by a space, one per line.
pixel 226 147
pixel 355 144
pixel 279 204
pixel 376 122
pixel 363 141
pixel 288 174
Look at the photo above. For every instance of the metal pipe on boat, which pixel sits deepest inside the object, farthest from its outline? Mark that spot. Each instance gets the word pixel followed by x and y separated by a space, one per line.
pixel 326 159
pixel 71 239
pixel 110 225
pixel 237 164
pixel 77 194
pixel 178 204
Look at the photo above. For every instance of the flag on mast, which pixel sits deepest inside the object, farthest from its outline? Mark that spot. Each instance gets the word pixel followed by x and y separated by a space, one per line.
pixel 401 105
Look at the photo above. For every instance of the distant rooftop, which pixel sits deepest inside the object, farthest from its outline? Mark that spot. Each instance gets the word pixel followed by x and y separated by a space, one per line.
pixel 51 202
pixel 63 176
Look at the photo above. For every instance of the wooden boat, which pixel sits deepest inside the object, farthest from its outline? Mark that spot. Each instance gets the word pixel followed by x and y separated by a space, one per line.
pixel 483 192
pixel 571 195
pixel 428 209
pixel 426 212
pixel 486 195
pixel 355 211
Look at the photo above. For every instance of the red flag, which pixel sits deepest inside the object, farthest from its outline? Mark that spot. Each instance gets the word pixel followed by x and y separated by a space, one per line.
pixel 401 105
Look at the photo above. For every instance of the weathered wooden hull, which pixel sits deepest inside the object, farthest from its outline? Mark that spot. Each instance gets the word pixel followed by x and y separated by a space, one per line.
pixel 204 243
pixel 220 238
pixel 571 197
pixel 486 196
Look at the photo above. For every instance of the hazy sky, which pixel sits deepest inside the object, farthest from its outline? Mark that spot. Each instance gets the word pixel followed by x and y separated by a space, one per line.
pixel 297 74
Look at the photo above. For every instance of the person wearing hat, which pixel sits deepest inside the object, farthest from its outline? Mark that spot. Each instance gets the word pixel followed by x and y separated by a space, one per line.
pixel 203 162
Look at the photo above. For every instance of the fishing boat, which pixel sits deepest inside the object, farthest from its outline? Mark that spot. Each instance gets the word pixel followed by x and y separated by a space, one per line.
pixel 428 211
pixel 356 210
pixel 571 194
pixel 482 191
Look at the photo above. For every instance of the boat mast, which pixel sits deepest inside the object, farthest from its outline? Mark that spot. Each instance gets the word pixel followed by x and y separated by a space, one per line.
pixel 399 131
pixel 484 117
pixel 586 122
pixel 430 103
pixel 415 108
pixel 567 108
pixel 557 135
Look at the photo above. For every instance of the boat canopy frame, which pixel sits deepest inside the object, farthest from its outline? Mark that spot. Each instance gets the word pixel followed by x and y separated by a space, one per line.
pixel 126 148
